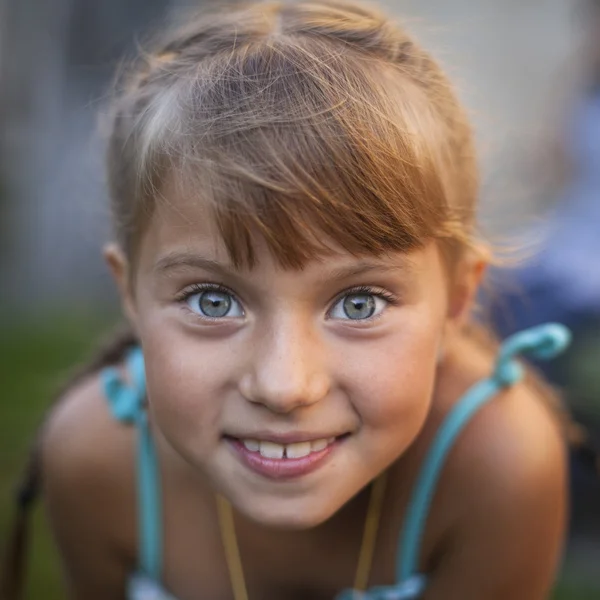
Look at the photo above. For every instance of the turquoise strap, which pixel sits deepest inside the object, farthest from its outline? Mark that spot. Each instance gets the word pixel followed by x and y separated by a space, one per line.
pixel 542 342
pixel 127 403
pixel 409 589
pixel 142 587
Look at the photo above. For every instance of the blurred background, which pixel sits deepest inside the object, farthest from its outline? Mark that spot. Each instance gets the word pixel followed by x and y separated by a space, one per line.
pixel 529 72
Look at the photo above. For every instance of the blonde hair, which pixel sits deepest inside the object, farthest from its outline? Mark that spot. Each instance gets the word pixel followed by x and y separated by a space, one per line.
pixel 298 123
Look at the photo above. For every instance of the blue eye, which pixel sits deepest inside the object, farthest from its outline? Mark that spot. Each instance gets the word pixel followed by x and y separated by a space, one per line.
pixel 214 304
pixel 358 306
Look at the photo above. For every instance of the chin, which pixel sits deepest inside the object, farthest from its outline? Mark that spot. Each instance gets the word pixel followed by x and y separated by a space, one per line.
pixel 289 515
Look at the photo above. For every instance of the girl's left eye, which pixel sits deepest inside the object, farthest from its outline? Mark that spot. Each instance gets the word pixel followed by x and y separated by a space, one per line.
pixel 358 306
pixel 214 304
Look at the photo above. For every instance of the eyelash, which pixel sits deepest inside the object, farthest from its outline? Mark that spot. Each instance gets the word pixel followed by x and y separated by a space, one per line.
pixel 388 296
pixel 197 288
pixel 369 290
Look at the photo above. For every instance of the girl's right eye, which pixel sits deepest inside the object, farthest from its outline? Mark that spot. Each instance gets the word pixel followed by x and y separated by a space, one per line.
pixel 214 303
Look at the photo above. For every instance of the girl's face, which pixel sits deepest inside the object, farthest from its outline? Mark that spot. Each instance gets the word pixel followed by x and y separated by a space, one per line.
pixel 289 389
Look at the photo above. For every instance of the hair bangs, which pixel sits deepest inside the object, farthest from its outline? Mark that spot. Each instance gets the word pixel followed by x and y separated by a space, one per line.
pixel 282 151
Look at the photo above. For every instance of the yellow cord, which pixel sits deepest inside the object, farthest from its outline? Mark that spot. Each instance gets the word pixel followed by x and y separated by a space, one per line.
pixel 369 539
pixel 232 551
pixel 367 547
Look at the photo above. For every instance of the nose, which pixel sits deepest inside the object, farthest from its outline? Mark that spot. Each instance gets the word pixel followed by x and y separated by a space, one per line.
pixel 286 370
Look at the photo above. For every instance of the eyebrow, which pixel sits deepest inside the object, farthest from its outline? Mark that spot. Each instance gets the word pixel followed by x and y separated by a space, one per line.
pixel 403 266
pixel 188 260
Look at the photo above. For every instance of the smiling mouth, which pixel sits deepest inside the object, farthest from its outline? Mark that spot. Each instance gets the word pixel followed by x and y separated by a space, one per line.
pixel 279 451
pixel 283 461
pixel 273 450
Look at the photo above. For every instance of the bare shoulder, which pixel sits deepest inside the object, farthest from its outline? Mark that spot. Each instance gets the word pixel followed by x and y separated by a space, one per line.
pixel 505 487
pixel 82 441
pixel 513 450
pixel 88 474
pixel 513 443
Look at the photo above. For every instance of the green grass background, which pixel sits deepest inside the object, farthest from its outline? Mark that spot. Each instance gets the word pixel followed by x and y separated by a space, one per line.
pixel 35 357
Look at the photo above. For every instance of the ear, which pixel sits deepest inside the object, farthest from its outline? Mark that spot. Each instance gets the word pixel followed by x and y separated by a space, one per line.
pixel 467 280
pixel 119 268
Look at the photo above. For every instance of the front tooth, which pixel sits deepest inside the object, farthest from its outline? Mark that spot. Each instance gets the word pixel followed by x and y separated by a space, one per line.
pixel 252 445
pixel 298 450
pixel 317 445
pixel 271 450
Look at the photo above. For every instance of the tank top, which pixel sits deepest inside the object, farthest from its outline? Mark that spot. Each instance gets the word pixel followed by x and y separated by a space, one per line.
pixel 127 402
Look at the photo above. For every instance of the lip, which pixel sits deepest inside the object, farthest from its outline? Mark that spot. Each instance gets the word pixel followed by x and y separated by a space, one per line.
pixel 285 468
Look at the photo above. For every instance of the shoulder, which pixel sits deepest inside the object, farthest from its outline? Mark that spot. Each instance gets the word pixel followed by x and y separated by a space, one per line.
pixel 87 465
pixel 81 439
pixel 504 490
pixel 514 441
pixel 514 448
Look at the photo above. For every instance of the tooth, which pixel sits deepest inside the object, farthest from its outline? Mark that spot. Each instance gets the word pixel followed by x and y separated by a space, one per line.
pixel 271 450
pixel 317 445
pixel 252 445
pixel 298 450
pixel 330 440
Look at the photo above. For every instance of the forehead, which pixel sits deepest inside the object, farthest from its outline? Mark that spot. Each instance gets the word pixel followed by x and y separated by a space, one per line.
pixel 285 229
pixel 184 237
pixel 183 218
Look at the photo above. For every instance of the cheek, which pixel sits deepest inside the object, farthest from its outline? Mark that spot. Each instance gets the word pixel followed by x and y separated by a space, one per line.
pixel 393 385
pixel 187 382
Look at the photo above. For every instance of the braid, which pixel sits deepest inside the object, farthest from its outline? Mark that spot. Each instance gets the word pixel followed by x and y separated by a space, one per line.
pixel 12 567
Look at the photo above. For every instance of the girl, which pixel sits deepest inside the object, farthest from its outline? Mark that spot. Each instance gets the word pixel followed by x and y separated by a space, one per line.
pixel 294 192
